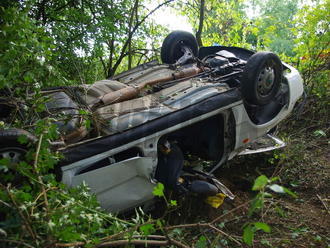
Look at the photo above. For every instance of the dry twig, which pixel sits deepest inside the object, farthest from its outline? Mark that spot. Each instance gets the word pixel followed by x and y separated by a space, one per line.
pixel 323 203
pixel 16 242
pixel 154 240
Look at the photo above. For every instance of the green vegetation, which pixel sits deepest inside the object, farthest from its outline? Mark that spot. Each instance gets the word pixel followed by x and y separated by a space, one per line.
pixel 52 43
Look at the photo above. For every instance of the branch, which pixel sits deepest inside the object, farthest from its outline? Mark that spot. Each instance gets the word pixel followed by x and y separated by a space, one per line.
pixel 133 242
pixel 103 64
pixel 229 212
pixel 208 225
pixel 44 192
pixel 159 241
pixel 137 25
pixel 211 224
pixel 134 10
pixel 16 242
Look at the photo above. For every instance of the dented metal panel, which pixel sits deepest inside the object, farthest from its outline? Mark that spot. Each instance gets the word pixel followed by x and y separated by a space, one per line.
pixel 121 185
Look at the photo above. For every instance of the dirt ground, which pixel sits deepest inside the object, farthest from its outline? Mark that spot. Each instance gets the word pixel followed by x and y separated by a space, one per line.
pixel 303 166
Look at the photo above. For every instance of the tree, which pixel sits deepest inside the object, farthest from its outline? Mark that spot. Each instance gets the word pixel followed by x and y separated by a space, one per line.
pixel 220 22
pixel 312 47
pixel 275 27
pixel 94 39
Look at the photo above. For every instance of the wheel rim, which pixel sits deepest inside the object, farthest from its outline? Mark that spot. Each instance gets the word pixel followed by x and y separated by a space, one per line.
pixel 266 80
pixel 13 154
pixel 177 49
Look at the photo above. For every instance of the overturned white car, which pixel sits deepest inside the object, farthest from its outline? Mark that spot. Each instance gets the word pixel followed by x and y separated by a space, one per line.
pixel 155 121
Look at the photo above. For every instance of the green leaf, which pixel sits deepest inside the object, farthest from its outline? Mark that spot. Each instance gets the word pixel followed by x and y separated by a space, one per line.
pixel 277 188
pixel 88 124
pixel 280 189
pixel 262 226
pixel 256 204
pixel 260 183
pixel 158 190
pixel 265 242
pixel 22 139
pixel 173 203
pixel 68 234
pixel 201 243
pixel 280 212
pixel 273 179
pixel 159 223
pixel 289 192
pixel 177 231
pixel 248 235
pixel 147 229
pixel 319 133
pixel 3 163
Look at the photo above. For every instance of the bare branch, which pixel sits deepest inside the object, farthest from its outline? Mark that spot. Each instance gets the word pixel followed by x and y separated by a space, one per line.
pixel 130 35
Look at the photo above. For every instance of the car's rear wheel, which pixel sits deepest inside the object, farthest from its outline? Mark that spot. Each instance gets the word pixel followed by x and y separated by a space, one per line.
pixel 10 148
pixel 171 49
pixel 12 152
pixel 262 77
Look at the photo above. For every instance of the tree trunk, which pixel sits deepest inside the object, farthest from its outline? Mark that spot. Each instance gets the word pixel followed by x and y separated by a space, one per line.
pixel 123 53
pixel 201 21
pixel 133 13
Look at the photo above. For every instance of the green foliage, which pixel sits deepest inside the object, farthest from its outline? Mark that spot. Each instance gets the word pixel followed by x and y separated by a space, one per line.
pixel 158 190
pixel 261 184
pixel 224 22
pixel 25 50
pixel 251 228
pixel 313 47
pixel 319 133
pixel 201 242
pixel 81 42
pixel 280 189
pixel 147 229
pixel 41 210
pixel 275 27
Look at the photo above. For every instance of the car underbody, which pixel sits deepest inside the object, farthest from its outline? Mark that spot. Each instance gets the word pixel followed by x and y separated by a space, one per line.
pixel 193 110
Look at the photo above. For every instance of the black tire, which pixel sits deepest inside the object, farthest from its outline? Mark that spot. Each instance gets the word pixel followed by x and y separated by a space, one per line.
pixel 171 48
pixel 262 78
pixel 11 148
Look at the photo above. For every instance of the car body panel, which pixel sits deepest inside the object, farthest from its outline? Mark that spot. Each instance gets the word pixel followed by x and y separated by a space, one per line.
pixel 120 185
pixel 119 159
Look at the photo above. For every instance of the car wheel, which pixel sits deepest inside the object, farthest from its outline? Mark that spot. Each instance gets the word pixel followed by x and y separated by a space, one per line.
pixel 261 78
pixel 14 152
pixel 171 49
pixel 10 148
